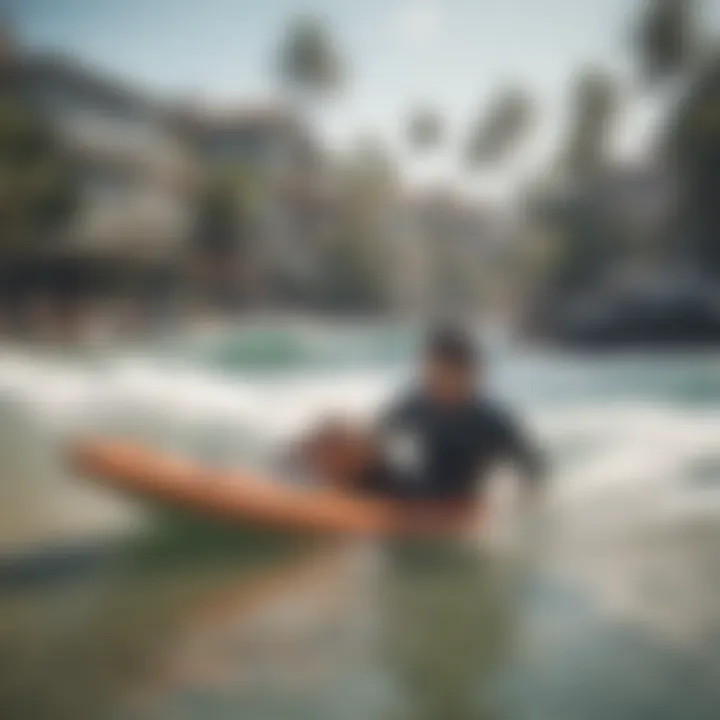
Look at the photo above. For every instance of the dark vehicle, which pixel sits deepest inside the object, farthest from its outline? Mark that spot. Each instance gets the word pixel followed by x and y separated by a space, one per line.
pixel 668 317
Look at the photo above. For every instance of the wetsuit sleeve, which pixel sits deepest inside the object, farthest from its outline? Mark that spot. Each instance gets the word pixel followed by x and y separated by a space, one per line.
pixel 516 445
pixel 395 416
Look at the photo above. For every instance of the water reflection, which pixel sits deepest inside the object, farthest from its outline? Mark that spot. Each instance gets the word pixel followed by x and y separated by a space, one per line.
pixel 174 630
pixel 416 631
pixel 446 615
pixel 93 644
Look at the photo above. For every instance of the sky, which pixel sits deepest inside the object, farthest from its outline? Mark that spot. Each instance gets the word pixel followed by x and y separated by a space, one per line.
pixel 398 54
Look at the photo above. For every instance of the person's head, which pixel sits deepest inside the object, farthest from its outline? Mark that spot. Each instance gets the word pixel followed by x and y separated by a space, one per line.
pixel 450 366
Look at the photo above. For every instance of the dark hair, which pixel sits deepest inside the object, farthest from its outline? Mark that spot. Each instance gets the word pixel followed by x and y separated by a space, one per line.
pixel 451 345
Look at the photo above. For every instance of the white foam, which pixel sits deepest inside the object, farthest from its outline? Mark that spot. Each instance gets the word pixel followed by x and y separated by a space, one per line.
pixel 634 460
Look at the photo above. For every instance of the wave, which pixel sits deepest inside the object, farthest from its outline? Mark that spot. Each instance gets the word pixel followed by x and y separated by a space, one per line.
pixel 616 457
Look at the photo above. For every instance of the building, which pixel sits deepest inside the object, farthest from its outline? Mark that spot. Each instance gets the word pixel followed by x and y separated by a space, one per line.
pixel 134 171
pixel 450 249
pixel 283 190
pixel 132 174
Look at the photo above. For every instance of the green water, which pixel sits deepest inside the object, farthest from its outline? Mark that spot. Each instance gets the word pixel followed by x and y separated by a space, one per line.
pixel 607 606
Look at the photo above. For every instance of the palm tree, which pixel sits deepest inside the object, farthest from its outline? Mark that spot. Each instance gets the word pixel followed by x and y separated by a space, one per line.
pixel 595 103
pixel 498 130
pixel 693 146
pixel 424 129
pixel 666 39
pixel 309 62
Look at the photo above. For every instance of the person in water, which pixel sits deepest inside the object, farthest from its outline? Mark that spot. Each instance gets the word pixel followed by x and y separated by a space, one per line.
pixel 437 443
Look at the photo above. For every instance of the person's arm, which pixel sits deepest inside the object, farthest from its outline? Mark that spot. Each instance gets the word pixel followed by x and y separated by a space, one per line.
pixel 517 446
pixel 394 415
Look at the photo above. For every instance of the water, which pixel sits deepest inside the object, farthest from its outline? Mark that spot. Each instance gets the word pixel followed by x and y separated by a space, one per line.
pixel 604 606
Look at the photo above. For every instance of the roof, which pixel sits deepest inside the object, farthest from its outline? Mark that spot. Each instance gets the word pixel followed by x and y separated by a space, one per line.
pixel 204 120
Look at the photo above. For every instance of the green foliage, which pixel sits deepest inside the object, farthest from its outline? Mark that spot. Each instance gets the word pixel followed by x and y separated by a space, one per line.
pixel 356 268
pixel 500 128
pixel 38 188
pixel 228 205
pixel 309 61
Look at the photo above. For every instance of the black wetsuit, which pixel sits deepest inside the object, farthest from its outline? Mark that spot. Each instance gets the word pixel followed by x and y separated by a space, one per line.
pixel 448 451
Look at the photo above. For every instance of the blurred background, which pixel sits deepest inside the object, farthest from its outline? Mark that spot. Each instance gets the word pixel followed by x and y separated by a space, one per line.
pixel 221 220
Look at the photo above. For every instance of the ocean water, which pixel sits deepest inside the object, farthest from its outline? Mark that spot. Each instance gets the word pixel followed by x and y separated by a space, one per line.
pixel 606 603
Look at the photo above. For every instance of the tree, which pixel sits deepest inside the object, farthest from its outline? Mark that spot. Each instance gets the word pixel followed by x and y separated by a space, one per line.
pixel 310 64
pixel 497 131
pixel 585 241
pixel 358 258
pixel 370 177
pixel 666 38
pixel 8 44
pixel 595 102
pixel 223 240
pixel 424 129
pixel 694 151
pixel 38 185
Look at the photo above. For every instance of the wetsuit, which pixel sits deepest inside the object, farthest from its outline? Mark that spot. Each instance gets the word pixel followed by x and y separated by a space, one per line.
pixel 431 452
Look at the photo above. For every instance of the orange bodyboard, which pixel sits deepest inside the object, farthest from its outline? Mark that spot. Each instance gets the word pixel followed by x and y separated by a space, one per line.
pixel 250 499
